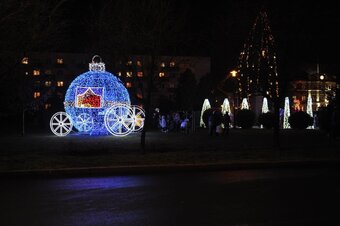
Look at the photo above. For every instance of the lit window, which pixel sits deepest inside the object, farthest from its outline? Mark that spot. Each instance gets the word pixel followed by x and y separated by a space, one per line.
pixel 26 73
pixel 36 72
pixel 119 73
pixel 162 64
pixel 139 63
pixel 47 106
pixel 161 74
pixel 24 60
pixel 60 83
pixel 172 64
pixel 128 85
pixel 48 83
pixel 139 74
pixel 129 74
pixel 129 63
pixel 36 94
pixel 60 60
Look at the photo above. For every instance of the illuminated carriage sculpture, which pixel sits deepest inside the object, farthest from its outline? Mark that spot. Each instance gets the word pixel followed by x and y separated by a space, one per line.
pixel 96 103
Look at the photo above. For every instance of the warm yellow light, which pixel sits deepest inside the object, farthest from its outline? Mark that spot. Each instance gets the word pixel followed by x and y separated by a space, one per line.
pixel 60 61
pixel 24 60
pixel 36 72
pixel 161 74
pixel 60 83
pixel 322 77
pixel 233 73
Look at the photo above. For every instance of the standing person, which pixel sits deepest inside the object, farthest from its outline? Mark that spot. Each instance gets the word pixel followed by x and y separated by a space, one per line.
pixel 226 123
pixel 163 124
pixel 212 123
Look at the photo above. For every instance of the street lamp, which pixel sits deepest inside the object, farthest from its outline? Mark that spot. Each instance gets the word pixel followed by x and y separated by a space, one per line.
pixel 233 74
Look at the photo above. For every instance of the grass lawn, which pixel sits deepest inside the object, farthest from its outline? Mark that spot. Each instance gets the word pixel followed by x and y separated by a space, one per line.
pixel 46 151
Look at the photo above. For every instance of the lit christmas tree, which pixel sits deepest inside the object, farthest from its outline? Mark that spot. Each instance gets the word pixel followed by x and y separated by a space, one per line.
pixel 226 107
pixel 265 108
pixel 257 61
pixel 309 108
pixel 286 114
pixel 206 105
pixel 244 104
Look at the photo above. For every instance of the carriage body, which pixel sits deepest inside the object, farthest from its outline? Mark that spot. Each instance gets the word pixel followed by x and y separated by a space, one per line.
pixel 97 103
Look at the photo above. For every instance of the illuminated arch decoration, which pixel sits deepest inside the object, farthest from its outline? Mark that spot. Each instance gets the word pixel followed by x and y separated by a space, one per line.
pixel 244 104
pixel 206 105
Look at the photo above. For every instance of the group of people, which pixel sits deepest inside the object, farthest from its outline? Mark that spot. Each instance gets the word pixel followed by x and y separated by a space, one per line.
pixel 175 121
pixel 218 123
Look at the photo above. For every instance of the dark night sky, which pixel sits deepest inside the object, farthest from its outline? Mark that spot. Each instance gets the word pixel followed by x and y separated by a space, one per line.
pixel 304 32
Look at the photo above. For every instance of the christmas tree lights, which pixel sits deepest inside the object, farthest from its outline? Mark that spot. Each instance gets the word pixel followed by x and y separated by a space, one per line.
pixel 226 107
pixel 286 114
pixel 206 106
pixel 257 65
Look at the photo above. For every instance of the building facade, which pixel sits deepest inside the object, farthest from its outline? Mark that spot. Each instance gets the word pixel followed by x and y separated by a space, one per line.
pixel 50 74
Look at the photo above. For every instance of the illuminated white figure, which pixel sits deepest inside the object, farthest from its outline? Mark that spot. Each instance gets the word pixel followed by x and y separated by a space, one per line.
pixel 286 114
pixel 244 104
pixel 309 108
pixel 265 108
pixel 206 106
pixel 226 107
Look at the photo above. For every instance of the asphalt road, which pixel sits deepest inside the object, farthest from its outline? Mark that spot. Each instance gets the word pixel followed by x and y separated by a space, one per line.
pixel 238 198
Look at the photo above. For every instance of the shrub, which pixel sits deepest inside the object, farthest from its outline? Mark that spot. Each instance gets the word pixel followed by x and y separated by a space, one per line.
pixel 208 112
pixel 300 120
pixel 267 120
pixel 245 118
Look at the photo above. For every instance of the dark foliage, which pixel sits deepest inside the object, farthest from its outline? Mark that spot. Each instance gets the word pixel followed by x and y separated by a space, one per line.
pixel 245 118
pixel 267 120
pixel 300 120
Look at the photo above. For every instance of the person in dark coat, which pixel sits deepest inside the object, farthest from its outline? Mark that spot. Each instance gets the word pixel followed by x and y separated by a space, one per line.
pixel 226 123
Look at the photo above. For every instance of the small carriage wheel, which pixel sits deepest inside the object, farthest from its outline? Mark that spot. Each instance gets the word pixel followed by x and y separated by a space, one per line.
pixel 61 124
pixel 119 120
pixel 138 115
pixel 84 122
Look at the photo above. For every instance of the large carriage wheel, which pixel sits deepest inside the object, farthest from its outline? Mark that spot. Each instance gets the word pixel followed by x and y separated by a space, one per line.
pixel 119 120
pixel 84 122
pixel 138 115
pixel 61 124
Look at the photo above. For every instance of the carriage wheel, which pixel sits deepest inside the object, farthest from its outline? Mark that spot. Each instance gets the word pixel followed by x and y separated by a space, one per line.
pixel 61 124
pixel 138 115
pixel 84 122
pixel 119 120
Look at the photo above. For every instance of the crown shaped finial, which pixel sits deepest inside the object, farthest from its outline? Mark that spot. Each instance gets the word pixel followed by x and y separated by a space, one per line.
pixel 96 64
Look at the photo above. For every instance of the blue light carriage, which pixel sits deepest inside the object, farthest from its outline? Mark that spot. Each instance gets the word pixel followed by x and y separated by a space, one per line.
pixel 96 103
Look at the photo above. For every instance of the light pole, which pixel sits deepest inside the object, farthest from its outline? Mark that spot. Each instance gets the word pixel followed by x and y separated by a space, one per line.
pixel 233 74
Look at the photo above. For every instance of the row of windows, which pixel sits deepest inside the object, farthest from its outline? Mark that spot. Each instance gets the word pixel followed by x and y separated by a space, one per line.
pixel 140 74
pixel 49 83
pixel 25 60
pixel 139 63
